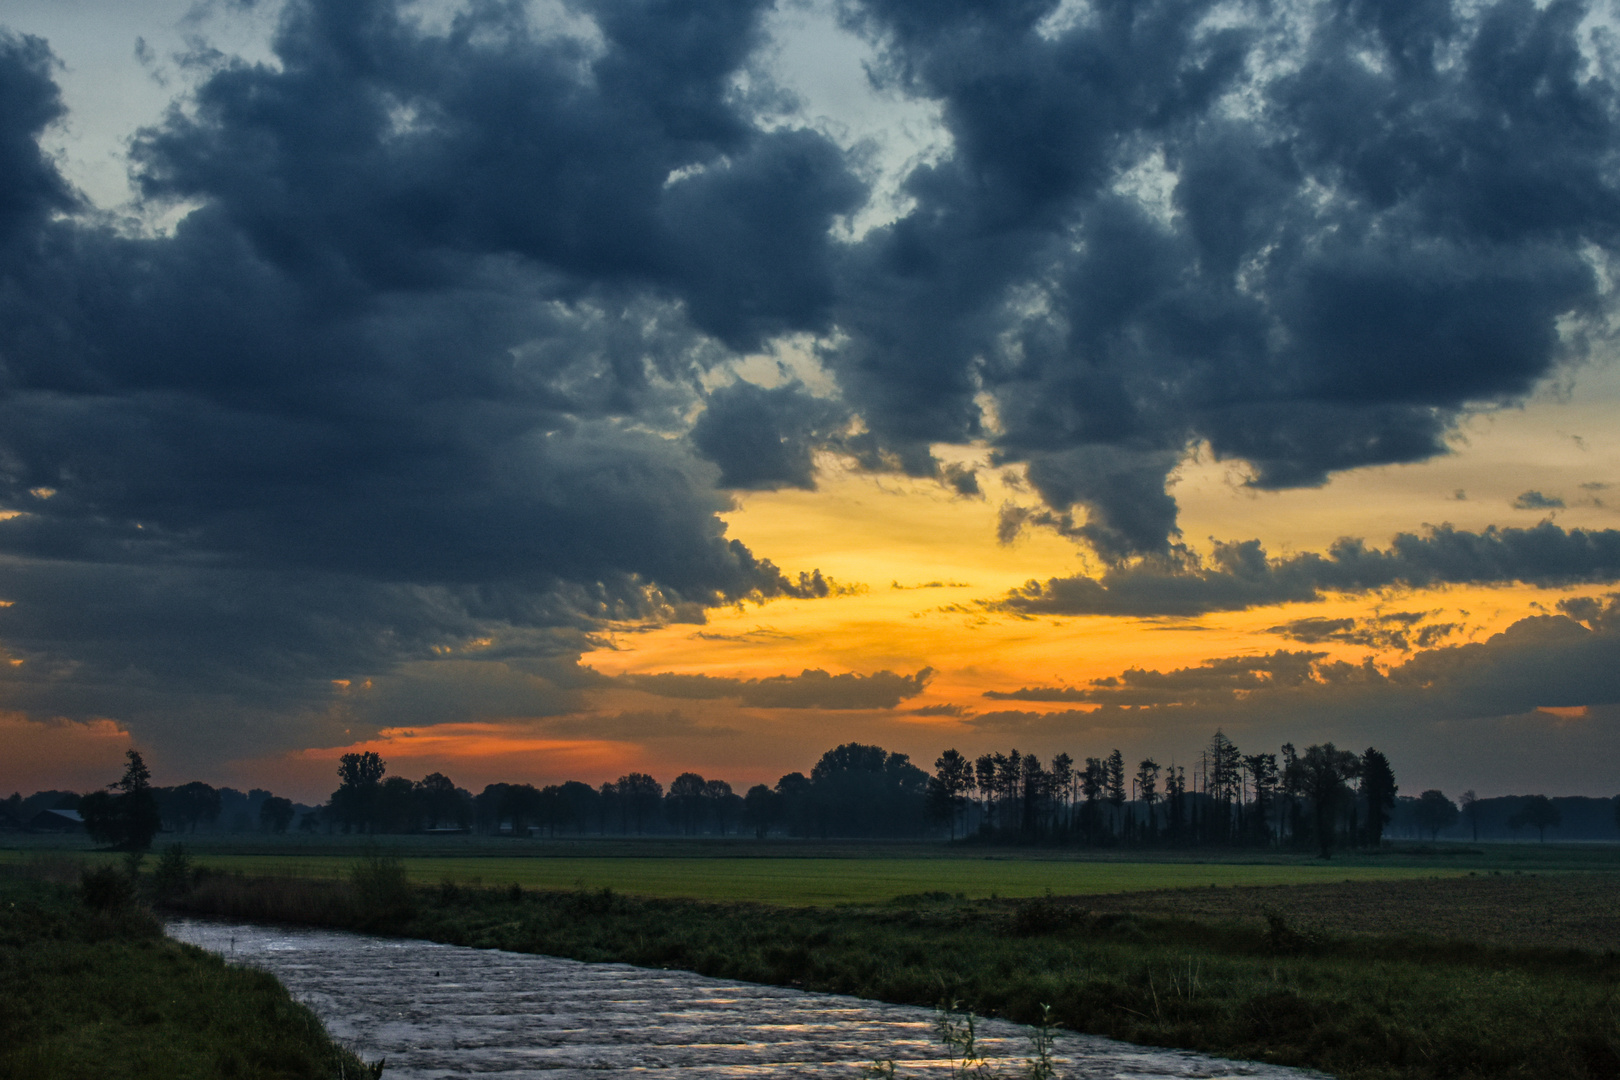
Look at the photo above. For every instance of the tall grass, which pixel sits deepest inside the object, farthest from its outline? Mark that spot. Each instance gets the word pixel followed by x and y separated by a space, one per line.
pixel 100 992
pixel 1364 1008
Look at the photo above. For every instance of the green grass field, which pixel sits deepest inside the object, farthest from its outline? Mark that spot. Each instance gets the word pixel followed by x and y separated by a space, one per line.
pixel 825 881
pixel 835 873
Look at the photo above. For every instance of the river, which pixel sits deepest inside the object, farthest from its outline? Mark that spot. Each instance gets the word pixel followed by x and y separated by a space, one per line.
pixel 438 1011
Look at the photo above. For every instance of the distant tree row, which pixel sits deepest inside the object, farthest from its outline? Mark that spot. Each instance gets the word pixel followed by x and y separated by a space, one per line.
pixel 1321 799
pixel 1432 813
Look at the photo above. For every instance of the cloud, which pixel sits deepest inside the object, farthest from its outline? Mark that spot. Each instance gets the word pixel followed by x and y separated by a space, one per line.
pixel 1535 500
pixel 1241 575
pixel 812 688
pixel 958 711
pixel 1470 713
pixel 1217 680
pixel 764 438
pixel 1395 630
pixel 1126 260
pixel 416 371
pixel 438 349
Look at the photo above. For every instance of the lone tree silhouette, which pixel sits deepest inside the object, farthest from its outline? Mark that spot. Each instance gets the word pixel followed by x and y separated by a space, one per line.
pixel 129 819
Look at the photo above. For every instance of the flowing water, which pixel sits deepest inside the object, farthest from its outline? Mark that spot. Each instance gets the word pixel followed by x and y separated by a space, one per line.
pixel 438 1011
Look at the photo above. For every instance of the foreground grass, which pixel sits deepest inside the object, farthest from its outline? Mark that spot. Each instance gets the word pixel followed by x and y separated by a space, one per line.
pixel 105 995
pixel 1366 1007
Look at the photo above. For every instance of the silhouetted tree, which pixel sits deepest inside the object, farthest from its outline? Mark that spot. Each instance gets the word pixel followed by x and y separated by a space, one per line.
pixel 275 814
pixel 1469 802
pixel 584 803
pixel 1008 770
pixel 686 801
pixel 1093 783
pixel 1539 813
pixel 1063 790
pixel 520 804
pixel 189 805
pixel 1223 781
pixel 395 806
pixel 1114 786
pixel 354 803
pixel 1034 789
pixel 984 776
pixel 1323 773
pixel 1378 789
pixel 130 818
pixel 1434 812
pixel 953 779
pixel 865 791
pixel 440 803
pixel 718 799
pixel 762 808
pixel 796 804
pixel 1175 797
pixel 640 794
pixel 1291 775
pixel 1263 778
pixel 1147 788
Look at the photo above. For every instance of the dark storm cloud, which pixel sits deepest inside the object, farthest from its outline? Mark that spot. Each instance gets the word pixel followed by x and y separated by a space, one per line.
pixel 764 438
pixel 32 187
pixel 1242 575
pixel 1372 216
pixel 810 689
pixel 420 365
pixel 410 375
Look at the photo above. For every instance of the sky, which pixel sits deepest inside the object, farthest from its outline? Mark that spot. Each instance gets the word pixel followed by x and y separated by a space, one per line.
pixel 547 390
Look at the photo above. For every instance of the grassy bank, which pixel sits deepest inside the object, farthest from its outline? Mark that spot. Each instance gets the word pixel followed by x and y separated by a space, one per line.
pixel 101 993
pixel 1355 1005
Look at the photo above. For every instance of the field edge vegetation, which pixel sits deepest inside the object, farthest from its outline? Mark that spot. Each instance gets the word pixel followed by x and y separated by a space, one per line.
pixel 1365 1007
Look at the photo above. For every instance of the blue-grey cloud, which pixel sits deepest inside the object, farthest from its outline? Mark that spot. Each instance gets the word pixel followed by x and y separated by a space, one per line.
pixel 1372 216
pixel 431 352
pixel 1242 575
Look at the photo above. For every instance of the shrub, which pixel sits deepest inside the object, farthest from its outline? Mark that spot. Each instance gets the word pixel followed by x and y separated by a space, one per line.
pixel 106 888
pixel 382 892
pixel 173 874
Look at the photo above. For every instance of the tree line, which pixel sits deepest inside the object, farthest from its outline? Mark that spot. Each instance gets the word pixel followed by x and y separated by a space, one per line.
pixel 1321 798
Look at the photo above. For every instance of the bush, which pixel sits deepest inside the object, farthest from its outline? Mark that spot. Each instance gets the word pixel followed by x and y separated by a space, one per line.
pixel 382 892
pixel 173 874
pixel 106 889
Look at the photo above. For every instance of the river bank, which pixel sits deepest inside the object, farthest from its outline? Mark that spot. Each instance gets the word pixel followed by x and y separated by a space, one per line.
pixel 99 991
pixel 1361 1007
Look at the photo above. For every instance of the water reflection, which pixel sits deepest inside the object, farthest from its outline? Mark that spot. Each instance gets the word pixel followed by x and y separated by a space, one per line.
pixel 439 1011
